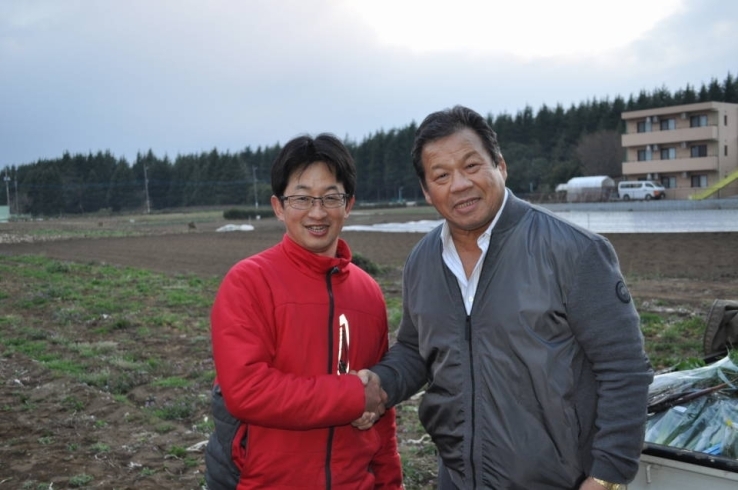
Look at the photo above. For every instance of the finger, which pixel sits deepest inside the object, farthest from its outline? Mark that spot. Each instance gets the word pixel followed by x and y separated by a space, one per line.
pixel 381 409
pixel 383 396
pixel 365 421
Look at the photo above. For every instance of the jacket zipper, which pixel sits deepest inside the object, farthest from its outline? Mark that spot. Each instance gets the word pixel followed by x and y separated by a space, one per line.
pixel 329 443
pixel 467 334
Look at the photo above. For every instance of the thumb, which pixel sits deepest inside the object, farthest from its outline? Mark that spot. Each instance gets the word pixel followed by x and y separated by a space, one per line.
pixel 364 376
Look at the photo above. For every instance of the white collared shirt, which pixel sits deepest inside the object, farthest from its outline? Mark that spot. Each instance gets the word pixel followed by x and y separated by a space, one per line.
pixel 468 286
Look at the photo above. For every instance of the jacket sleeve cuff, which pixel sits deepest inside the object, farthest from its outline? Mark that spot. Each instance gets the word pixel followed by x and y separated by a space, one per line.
pixel 605 471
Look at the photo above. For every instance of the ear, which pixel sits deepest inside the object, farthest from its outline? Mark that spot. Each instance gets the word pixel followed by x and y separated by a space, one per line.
pixel 349 206
pixel 503 168
pixel 425 193
pixel 278 208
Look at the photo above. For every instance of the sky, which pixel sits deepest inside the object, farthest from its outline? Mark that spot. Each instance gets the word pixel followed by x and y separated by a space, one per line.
pixel 181 77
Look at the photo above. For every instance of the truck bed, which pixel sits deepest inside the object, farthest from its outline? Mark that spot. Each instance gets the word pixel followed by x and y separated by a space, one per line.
pixel 663 467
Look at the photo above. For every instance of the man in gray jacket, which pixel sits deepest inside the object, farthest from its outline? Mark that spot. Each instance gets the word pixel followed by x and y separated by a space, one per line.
pixel 520 326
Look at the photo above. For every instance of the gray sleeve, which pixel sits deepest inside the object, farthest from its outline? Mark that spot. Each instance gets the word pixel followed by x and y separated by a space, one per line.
pixel 606 325
pixel 402 369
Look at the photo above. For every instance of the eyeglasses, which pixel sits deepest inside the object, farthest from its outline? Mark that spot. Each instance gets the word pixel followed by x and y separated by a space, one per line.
pixel 306 202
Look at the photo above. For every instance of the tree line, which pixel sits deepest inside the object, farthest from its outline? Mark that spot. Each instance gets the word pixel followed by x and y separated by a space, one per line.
pixel 542 148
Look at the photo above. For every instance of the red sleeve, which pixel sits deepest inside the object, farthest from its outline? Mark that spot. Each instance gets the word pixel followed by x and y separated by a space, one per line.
pixel 386 463
pixel 256 392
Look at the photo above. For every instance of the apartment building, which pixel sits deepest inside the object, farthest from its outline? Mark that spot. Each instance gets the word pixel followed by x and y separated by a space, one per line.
pixel 692 150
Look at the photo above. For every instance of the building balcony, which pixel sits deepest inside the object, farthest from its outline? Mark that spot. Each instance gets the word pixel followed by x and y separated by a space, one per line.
pixel 702 164
pixel 670 137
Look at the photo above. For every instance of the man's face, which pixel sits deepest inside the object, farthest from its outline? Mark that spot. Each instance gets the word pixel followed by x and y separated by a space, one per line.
pixel 317 228
pixel 463 183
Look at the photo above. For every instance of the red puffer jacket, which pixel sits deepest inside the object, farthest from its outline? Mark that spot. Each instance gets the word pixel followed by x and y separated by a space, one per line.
pixel 280 321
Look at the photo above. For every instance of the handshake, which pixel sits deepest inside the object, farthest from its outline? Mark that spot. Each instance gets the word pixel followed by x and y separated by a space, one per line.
pixel 375 399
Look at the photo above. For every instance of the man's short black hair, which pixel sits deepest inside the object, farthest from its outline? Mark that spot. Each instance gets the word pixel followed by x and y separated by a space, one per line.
pixel 302 151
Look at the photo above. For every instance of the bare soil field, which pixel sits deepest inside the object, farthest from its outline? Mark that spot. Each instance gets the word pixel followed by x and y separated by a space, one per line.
pixel 685 271
pixel 689 268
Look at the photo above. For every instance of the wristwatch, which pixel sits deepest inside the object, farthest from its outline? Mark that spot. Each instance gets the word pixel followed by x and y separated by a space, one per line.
pixel 611 486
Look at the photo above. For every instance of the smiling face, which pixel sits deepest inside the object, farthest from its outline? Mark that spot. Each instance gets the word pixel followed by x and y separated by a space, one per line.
pixel 315 229
pixel 463 183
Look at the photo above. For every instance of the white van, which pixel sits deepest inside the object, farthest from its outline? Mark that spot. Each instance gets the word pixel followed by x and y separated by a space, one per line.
pixel 640 189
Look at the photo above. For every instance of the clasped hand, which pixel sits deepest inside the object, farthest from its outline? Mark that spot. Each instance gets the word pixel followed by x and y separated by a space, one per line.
pixel 375 400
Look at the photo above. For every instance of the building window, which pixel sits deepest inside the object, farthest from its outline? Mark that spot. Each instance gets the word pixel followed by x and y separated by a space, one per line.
pixel 698 121
pixel 668 124
pixel 668 182
pixel 668 153
pixel 699 181
pixel 725 120
pixel 698 151
pixel 644 126
pixel 725 150
pixel 645 155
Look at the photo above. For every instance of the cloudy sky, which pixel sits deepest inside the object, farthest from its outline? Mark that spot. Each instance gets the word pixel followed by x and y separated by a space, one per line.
pixel 185 76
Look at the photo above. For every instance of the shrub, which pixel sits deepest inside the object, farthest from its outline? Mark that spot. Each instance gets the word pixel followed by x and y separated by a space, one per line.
pixel 366 264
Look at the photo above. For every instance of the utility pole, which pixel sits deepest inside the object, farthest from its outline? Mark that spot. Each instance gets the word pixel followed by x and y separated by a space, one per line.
pixel 15 181
pixel 7 190
pixel 146 183
pixel 256 198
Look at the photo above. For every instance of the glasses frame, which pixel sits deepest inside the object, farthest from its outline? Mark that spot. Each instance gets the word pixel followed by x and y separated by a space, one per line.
pixel 291 200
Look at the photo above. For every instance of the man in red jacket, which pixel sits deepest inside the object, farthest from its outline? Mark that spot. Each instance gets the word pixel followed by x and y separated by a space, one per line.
pixel 290 326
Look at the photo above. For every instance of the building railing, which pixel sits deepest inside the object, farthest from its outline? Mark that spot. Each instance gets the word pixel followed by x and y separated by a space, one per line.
pixel 672 137
pixel 657 157
pixel 656 129
pixel 701 164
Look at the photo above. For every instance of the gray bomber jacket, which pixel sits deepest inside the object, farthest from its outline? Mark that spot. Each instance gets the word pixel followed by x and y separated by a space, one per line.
pixel 546 381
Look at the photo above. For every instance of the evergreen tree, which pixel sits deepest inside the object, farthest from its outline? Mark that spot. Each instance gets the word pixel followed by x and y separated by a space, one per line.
pixel 123 193
pixel 703 95
pixel 715 91
pixel 661 97
pixel 44 195
pixel 730 89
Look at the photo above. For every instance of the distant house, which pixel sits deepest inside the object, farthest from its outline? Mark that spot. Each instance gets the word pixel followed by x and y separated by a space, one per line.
pixel 590 189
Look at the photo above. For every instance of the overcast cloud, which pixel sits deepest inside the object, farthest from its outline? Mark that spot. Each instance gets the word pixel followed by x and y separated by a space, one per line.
pixel 185 76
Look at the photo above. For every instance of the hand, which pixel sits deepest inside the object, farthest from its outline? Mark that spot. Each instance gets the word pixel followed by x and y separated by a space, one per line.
pixel 371 384
pixel 366 421
pixel 375 398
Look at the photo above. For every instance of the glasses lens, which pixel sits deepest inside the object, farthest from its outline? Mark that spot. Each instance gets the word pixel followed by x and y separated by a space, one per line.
pixel 300 202
pixel 333 200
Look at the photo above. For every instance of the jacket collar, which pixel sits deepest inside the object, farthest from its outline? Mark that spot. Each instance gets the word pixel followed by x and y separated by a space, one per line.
pixel 512 213
pixel 310 262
